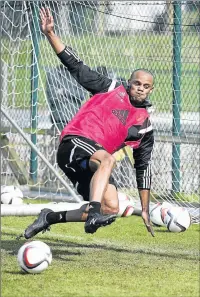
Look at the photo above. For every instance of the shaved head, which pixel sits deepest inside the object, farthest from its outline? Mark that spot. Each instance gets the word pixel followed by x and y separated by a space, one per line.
pixel 140 70
pixel 140 85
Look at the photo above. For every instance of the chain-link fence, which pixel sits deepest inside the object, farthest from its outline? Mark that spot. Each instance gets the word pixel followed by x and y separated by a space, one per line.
pixel 161 36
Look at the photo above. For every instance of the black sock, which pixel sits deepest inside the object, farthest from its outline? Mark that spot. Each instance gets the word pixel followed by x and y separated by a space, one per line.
pixel 74 215
pixel 56 217
pixel 94 207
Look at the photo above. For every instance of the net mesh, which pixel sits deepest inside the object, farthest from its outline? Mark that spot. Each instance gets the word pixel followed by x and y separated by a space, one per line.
pixel 114 38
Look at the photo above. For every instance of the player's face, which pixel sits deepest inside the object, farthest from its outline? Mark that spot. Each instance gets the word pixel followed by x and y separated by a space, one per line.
pixel 141 85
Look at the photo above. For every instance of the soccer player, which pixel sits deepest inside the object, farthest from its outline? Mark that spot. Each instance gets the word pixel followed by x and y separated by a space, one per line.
pixel 111 119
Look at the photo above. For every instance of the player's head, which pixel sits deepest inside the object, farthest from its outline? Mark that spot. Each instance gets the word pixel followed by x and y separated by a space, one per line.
pixel 140 85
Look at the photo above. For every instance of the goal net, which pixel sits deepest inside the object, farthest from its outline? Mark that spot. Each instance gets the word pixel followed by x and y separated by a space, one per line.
pixel 39 95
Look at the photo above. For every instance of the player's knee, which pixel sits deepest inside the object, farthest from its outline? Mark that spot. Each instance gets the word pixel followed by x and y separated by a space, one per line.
pixel 109 161
pixel 106 160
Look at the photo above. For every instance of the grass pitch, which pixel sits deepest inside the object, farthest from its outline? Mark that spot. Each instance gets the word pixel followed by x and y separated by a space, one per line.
pixel 119 260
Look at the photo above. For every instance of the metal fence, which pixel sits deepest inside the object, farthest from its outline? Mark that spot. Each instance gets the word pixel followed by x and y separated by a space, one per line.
pixel 162 36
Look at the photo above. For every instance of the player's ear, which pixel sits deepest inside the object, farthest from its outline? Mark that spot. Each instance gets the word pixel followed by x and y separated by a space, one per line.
pixel 151 90
pixel 128 85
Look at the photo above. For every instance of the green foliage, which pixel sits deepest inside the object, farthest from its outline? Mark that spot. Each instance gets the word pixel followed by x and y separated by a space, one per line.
pixel 119 260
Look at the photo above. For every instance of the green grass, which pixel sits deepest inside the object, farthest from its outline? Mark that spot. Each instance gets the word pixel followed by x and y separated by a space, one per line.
pixel 119 260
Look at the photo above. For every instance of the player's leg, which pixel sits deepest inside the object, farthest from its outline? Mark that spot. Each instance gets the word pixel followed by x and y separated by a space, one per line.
pixel 75 164
pixel 48 217
pixel 110 202
pixel 101 163
pixel 109 205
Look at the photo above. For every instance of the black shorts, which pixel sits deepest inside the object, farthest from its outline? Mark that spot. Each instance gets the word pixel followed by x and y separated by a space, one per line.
pixel 73 158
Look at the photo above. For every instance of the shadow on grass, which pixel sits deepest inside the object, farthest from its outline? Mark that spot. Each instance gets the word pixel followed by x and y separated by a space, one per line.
pixel 15 272
pixel 61 249
pixel 161 231
pixel 12 247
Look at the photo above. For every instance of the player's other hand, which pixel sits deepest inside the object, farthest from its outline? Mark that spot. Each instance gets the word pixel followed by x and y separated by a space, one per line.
pixel 47 23
pixel 146 219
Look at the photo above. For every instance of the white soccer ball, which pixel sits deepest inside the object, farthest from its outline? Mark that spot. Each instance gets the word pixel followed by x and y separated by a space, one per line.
pixel 34 256
pixel 11 195
pixel 177 219
pixel 126 205
pixel 155 215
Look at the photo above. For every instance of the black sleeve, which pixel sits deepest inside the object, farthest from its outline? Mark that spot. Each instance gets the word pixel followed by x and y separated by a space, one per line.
pixel 91 80
pixel 142 157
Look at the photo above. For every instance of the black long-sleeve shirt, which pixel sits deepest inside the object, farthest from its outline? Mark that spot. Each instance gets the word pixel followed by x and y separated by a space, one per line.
pixel 95 82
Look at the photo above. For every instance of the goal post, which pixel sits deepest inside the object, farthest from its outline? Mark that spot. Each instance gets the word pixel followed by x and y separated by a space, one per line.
pixel 17 167
pixel 39 95
pixel 32 145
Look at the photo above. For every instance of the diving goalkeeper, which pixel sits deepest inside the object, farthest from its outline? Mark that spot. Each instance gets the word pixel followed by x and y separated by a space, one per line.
pixel 111 119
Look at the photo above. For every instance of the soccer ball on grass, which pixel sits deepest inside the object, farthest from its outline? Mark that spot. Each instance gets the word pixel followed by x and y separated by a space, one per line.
pixel 34 256
pixel 155 215
pixel 177 219
pixel 11 195
pixel 126 205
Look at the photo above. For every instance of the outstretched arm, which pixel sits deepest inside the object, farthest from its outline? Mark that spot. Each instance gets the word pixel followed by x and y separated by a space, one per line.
pixel 145 199
pixel 47 27
pixel 142 157
pixel 91 80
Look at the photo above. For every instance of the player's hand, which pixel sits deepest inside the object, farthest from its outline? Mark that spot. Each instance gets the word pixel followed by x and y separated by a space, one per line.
pixel 146 219
pixel 47 23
